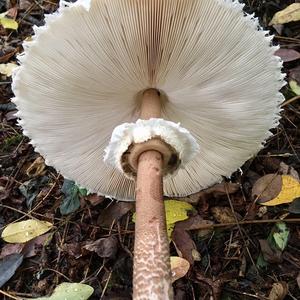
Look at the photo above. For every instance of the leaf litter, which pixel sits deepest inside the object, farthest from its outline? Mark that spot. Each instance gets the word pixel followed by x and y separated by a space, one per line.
pixel 92 237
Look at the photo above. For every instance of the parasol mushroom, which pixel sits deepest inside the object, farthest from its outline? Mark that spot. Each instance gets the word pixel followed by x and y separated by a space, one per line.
pixel 187 90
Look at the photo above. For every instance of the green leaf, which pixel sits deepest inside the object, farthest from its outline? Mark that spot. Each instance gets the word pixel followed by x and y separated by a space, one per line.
pixel 69 291
pixel 295 87
pixel 82 191
pixel 281 235
pixel 261 263
pixel 71 200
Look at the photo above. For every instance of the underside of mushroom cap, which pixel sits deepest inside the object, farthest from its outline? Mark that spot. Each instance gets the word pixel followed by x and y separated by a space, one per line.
pixel 80 76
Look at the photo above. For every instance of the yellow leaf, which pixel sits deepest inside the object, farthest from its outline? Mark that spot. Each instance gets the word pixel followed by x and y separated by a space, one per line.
pixel 7 69
pixel 290 190
pixel 295 87
pixel 67 291
pixel 179 267
pixel 175 211
pixel 289 14
pixel 7 22
pixel 24 231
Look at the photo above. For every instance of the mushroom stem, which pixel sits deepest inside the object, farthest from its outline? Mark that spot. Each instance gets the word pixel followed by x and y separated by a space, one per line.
pixel 151 272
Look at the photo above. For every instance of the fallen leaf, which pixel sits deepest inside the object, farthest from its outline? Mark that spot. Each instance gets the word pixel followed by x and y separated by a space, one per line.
pixel 21 232
pixel 267 187
pixel 295 87
pixel 216 191
pixel 278 291
pixel 224 214
pixel 6 56
pixel 73 249
pixel 272 247
pixel 269 254
pixel 114 213
pixel 287 55
pixel 8 266
pixel 94 199
pixel 37 168
pixel 285 169
pixel 179 267
pixel 71 200
pixel 32 247
pixel 9 249
pixel 7 106
pixel 185 246
pixel 294 207
pixel 281 235
pixel 290 190
pixel 7 69
pixel 175 211
pixel 289 14
pixel 31 188
pixel 69 291
pixel 294 74
pixel 8 23
pixel 196 223
pixel 105 247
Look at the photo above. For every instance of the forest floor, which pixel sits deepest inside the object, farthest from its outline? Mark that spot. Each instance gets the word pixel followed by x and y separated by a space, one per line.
pixel 237 248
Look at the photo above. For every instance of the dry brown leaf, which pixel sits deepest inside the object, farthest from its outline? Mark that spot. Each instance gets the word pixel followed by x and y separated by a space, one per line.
pixel 37 168
pixel 105 247
pixel 196 223
pixel 9 249
pixel 289 14
pixel 114 212
pixel 267 187
pixel 269 254
pixel 279 291
pixel 224 214
pixel 32 247
pixel 179 267
pixel 6 57
pixel 215 191
pixel 94 199
pixel 73 249
pixel 285 169
pixel 287 55
pixel 185 246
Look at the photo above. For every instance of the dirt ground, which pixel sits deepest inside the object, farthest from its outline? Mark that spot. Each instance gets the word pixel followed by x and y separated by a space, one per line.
pixel 92 238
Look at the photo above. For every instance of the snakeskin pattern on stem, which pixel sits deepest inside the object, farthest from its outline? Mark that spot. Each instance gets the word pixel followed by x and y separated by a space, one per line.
pixel 151 275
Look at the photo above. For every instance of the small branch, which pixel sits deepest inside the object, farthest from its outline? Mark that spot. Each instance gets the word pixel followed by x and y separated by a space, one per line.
pixel 209 226
pixel 245 294
pixel 9 295
pixel 289 101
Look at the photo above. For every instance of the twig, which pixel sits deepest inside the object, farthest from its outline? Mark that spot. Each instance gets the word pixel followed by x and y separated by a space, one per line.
pixel 247 222
pixel 9 295
pixel 106 285
pixel 240 230
pixel 59 273
pixel 245 294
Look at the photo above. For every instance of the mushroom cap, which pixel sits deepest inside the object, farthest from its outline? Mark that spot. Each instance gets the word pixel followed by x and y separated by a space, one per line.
pixel 80 76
